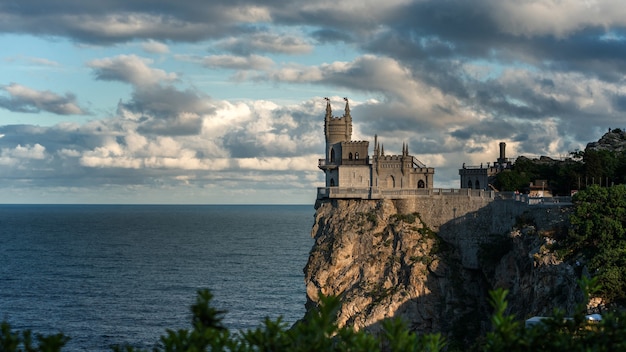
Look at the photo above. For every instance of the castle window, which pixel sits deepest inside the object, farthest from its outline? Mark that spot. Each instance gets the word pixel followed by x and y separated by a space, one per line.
pixel 469 184
pixel 477 185
pixel 332 155
pixel 332 182
pixel 421 184
pixel 350 156
pixel 356 155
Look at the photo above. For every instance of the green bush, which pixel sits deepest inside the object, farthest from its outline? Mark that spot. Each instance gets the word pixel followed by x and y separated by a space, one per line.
pixel 556 333
pixel 598 236
pixel 318 331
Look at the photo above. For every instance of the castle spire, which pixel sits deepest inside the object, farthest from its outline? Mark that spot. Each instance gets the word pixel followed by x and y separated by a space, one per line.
pixel 329 112
pixel 376 145
pixel 347 111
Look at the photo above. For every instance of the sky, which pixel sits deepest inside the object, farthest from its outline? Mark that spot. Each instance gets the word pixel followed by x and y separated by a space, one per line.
pixel 222 101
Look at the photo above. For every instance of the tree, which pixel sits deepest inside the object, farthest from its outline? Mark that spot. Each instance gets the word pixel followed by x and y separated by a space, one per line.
pixel 598 234
pixel 16 341
pixel 511 180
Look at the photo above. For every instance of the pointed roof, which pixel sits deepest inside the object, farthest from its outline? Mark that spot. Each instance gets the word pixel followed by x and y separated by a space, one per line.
pixel 329 111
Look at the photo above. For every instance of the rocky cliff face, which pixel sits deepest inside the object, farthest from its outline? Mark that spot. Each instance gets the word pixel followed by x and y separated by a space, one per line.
pixel 614 141
pixel 383 263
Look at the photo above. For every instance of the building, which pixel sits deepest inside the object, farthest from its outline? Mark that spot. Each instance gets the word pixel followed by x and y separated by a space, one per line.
pixel 347 163
pixel 482 177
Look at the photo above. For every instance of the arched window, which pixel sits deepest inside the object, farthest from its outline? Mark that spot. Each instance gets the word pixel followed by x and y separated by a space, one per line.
pixel 356 155
pixel 391 182
pixel 332 182
pixel 332 155
pixel 421 184
pixel 477 185
pixel 350 156
pixel 469 184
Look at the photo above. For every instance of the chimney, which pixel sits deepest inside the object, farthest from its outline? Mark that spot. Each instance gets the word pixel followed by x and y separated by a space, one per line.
pixel 502 153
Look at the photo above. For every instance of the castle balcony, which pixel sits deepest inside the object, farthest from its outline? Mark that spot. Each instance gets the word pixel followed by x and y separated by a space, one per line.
pixel 326 165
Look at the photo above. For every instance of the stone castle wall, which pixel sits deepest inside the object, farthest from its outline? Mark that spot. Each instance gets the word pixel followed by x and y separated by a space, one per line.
pixel 468 222
pixel 469 219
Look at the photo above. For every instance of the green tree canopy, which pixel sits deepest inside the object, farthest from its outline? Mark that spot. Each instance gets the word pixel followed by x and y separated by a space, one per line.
pixel 598 234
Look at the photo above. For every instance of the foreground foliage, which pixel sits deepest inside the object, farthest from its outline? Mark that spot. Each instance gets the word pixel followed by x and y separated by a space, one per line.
pixel 319 332
pixel 555 333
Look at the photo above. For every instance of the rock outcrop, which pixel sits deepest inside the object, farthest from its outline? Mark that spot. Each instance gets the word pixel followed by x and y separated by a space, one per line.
pixel 613 141
pixel 383 263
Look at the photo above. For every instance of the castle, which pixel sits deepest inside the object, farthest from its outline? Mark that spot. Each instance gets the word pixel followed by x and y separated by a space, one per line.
pixel 351 173
pixel 350 170
pixel 482 177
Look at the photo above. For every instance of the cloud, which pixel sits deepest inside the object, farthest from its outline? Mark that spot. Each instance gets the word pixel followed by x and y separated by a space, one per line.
pixel 35 61
pixel 117 21
pixel 555 18
pixel 24 99
pixel 165 110
pixel 129 69
pixel 251 62
pixel 121 150
pixel 326 35
pixel 266 43
pixel 154 47
pixel 18 154
pixel 452 78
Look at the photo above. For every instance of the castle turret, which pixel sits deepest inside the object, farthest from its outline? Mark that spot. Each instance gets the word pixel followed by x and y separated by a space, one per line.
pixel 337 129
pixel 502 158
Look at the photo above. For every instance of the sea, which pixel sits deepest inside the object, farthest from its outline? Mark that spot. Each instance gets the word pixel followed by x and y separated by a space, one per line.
pixel 108 275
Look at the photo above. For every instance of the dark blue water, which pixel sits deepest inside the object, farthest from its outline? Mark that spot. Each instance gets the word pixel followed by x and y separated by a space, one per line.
pixel 107 275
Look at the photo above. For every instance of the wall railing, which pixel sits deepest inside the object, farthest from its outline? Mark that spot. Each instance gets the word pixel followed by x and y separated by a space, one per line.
pixel 378 193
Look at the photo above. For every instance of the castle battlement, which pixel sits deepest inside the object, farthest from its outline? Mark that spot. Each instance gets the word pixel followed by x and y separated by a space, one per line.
pixel 356 142
pixel 390 157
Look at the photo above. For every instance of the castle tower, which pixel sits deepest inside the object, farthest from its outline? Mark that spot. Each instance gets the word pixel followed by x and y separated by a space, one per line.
pixel 502 158
pixel 336 130
pixel 342 151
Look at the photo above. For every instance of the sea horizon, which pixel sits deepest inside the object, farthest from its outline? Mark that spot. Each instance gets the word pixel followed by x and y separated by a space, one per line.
pixel 106 274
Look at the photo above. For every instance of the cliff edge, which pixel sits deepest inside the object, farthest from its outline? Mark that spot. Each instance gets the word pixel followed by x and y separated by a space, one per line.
pixel 384 262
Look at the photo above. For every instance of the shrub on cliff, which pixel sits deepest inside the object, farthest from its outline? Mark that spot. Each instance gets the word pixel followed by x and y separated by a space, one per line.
pixel 556 333
pixel 597 238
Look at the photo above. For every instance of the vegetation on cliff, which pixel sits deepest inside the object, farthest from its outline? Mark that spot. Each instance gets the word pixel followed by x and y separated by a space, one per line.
pixel 597 238
pixel 601 163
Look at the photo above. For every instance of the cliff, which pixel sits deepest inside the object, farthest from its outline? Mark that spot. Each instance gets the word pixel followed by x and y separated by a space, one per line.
pixel 434 268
